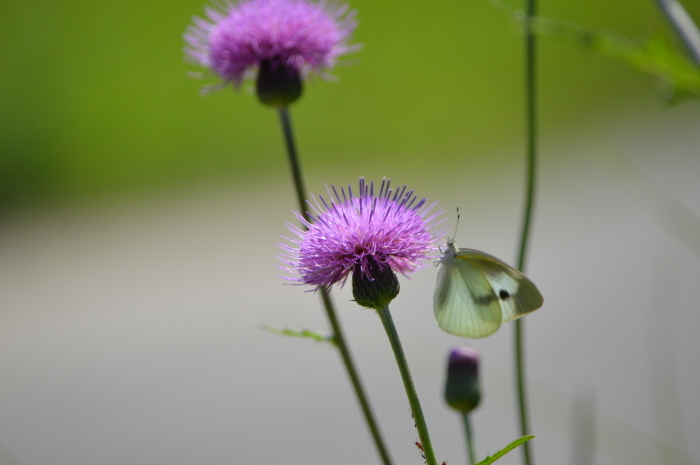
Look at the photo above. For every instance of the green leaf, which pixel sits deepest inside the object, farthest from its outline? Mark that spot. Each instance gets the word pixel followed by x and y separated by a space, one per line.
pixel 302 333
pixel 492 458
pixel 653 57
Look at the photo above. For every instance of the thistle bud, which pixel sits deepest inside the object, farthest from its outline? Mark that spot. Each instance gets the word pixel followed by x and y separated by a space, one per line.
pixel 278 85
pixel 374 287
pixel 462 391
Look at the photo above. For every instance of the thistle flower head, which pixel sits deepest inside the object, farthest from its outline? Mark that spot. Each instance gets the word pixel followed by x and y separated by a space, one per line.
pixel 368 233
pixel 290 37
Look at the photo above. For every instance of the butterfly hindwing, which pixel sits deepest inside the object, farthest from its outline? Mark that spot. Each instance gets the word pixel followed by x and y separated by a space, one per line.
pixel 465 303
pixel 516 293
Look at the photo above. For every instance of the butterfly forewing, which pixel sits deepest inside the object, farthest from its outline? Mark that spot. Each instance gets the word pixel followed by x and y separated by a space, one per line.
pixel 464 301
pixel 517 294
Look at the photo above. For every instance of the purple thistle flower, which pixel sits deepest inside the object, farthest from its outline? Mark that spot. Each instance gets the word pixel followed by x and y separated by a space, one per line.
pixel 297 36
pixel 390 230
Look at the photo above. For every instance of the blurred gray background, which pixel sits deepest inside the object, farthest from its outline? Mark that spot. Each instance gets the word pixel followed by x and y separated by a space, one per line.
pixel 139 223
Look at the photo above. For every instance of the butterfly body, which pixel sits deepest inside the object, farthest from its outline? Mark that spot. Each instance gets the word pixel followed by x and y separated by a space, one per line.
pixel 476 292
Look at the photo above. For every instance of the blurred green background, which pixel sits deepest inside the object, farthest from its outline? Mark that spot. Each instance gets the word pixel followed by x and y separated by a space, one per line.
pixel 94 98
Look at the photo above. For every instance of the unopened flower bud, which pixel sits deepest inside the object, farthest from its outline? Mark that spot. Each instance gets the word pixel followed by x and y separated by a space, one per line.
pixel 374 287
pixel 462 391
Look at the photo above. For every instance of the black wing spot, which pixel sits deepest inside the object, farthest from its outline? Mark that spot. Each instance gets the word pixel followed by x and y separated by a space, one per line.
pixel 503 294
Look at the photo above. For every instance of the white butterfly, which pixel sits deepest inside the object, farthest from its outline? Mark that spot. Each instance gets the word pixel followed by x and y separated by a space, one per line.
pixel 476 292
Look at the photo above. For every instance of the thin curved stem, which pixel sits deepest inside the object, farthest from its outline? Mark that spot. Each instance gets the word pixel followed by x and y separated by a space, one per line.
pixel 471 449
pixel 354 378
pixel 413 401
pixel 531 134
pixel 683 24
pixel 326 299
pixel 531 130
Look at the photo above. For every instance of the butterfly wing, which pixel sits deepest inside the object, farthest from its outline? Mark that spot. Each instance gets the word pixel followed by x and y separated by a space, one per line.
pixel 516 294
pixel 465 302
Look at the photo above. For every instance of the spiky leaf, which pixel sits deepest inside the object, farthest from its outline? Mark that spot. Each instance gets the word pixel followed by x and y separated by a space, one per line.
pixel 492 458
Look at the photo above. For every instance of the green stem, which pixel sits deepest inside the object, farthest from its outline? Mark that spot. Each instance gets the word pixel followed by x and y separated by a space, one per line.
pixel 531 129
pixel 294 164
pixel 469 438
pixel 522 398
pixel 413 401
pixel 326 299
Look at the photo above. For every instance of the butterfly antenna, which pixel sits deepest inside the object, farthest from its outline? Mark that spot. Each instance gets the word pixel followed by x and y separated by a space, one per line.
pixel 457 225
